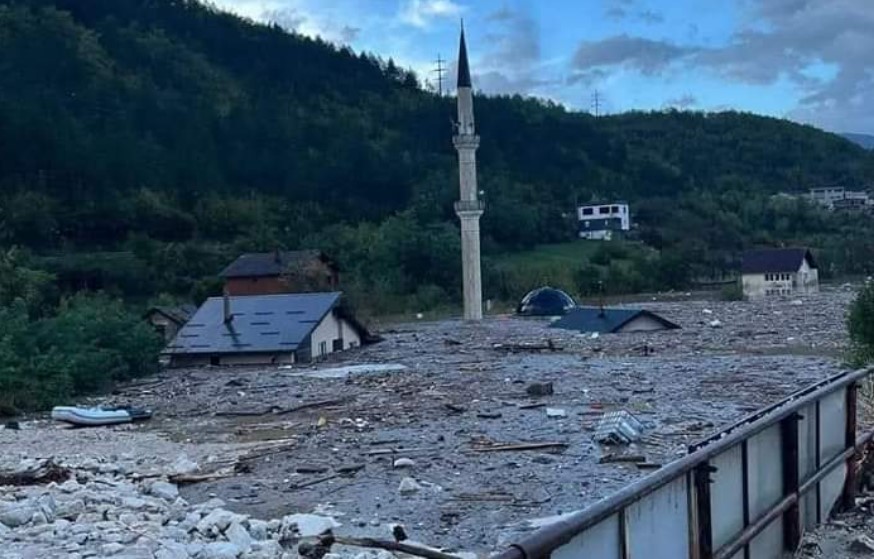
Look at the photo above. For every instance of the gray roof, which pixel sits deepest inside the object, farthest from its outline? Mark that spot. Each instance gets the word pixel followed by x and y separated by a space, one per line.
pixel 180 315
pixel 606 321
pixel 261 324
pixel 775 260
pixel 262 264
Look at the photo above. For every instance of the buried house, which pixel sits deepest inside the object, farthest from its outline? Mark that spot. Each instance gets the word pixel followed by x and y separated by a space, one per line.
pixel 612 321
pixel 294 271
pixel 266 329
pixel 778 271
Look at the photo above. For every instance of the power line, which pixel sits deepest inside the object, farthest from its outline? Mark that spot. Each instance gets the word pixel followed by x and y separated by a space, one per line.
pixel 439 70
pixel 596 103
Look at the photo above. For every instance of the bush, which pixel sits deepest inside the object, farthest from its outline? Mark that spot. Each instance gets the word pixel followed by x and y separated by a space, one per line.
pixel 860 324
pixel 732 292
pixel 91 343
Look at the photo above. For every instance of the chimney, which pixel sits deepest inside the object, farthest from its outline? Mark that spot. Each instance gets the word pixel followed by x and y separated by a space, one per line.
pixel 277 257
pixel 227 307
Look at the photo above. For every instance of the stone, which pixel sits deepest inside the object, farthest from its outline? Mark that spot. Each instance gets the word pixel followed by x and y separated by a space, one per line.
pixel 134 503
pixel 408 486
pixel 258 529
pixel 219 550
pixel 862 544
pixel 4 530
pixel 213 503
pixel 39 518
pixel 268 549
pixel 218 518
pixel 716 323
pixel 274 525
pixel 164 490
pixel 70 486
pixel 128 518
pixel 404 463
pixel 183 465
pixel 70 509
pixel 555 413
pixel 308 525
pixel 111 548
pixel 16 514
pixel 239 536
pixel 171 550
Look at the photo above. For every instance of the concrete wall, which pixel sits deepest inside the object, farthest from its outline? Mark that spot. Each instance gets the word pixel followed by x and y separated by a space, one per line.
pixel 643 324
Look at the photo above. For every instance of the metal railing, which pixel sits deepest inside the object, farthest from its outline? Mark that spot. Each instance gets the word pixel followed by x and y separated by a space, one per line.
pixel 747 492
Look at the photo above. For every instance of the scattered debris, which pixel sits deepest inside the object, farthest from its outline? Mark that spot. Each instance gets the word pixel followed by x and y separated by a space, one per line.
pixel 312 405
pixel 12 426
pixel 555 412
pixel 403 463
pixel 614 457
pixel 409 549
pixel 715 323
pixel 408 486
pixel 618 427
pixel 455 409
pixel 537 389
pixel 489 415
pixel 399 533
pixel 529 347
pixel 862 544
pixel 521 446
pixel 46 471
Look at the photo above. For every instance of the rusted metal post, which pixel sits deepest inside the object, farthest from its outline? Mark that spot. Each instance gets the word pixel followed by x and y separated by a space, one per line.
pixel 791 480
pixel 848 498
pixel 701 481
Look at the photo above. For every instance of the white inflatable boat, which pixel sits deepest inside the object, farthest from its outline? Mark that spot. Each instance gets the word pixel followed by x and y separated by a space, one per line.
pixel 93 417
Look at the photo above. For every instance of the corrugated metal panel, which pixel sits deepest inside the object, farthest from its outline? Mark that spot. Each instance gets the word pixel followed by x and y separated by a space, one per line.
pixel 769 543
pixel 261 323
pixel 658 525
pixel 807 464
pixel 726 497
pixel 832 425
pixel 601 541
pixel 765 470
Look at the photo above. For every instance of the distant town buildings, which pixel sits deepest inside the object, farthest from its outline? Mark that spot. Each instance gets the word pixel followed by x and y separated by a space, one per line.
pixel 839 198
pixel 603 221
pixel 778 271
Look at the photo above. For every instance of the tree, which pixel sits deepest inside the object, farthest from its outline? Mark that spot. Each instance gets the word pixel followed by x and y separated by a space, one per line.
pixel 860 324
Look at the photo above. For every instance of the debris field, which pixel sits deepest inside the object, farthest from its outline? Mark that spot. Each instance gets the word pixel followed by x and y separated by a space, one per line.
pixel 465 434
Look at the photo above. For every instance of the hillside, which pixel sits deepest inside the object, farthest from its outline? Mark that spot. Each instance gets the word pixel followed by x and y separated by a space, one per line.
pixel 864 140
pixel 146 142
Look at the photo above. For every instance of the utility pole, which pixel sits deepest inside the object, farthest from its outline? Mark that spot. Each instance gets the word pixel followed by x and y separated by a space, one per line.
pixel 439 70
pixel 596 103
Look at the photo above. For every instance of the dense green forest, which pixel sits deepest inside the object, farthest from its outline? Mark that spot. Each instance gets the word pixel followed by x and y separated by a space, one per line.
pixel 145 143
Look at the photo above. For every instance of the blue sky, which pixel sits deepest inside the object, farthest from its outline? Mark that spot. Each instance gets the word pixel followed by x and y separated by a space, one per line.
pixel 808 60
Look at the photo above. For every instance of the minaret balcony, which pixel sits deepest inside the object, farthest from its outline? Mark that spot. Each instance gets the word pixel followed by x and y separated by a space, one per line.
pixel 470 206
pixel 465 141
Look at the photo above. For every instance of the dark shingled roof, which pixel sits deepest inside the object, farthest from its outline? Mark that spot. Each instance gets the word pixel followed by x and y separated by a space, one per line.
pixel 463 67
pixel 261 324
pixel 265 264
pixel 605 321
pixel 775 260
pixel 180 315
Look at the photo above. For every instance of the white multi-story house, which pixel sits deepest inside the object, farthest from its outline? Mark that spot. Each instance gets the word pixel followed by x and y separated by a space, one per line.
pixel 839 198
pixel 602 221
pixel 778 271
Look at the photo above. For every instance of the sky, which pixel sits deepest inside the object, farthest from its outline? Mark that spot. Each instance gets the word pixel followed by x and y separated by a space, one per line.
pixel 811 61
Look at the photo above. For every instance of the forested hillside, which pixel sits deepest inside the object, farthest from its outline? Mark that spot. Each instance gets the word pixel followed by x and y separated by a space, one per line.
pixel 143 143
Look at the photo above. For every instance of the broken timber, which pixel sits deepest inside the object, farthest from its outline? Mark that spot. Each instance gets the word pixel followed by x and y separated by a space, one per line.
pixel 523 446
pixel 329 539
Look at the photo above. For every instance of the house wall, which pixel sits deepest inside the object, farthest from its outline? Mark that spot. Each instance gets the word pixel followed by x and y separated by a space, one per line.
pixel 329 329
pixel 642 324
pixel 804 281
pixel 202 360
pixel 164 326
pixel 255 286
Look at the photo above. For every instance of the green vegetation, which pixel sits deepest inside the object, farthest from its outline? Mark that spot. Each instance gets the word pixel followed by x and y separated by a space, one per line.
pixel 147 143
pixel 860 324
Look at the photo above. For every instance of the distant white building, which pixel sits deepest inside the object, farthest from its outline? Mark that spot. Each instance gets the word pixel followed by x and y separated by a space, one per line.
pixel 778 271
pixel 839 198
pixel 601 221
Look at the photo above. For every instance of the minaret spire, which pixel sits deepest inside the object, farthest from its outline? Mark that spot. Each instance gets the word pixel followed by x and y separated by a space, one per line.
pixel 468 208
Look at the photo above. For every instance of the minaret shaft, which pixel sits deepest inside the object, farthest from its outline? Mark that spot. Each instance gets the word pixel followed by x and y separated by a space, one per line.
pixel 469 208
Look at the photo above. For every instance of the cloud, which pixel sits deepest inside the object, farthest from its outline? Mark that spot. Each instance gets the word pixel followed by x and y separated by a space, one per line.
pixel 648 56
pixel 683 102
pixel 513 62
pixel 624 9
pixel 306 23
pixel 420 13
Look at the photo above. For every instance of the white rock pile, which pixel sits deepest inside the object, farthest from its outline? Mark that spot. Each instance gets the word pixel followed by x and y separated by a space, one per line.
pixel 107 514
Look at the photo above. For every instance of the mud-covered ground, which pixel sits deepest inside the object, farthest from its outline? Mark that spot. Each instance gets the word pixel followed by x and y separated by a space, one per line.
pixel 461 393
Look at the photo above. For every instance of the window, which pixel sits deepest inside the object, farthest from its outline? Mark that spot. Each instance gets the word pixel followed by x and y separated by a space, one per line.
pixel 604 210
pixel 767 277
pixel 588 211
pixel 323 349
pixel 614 210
